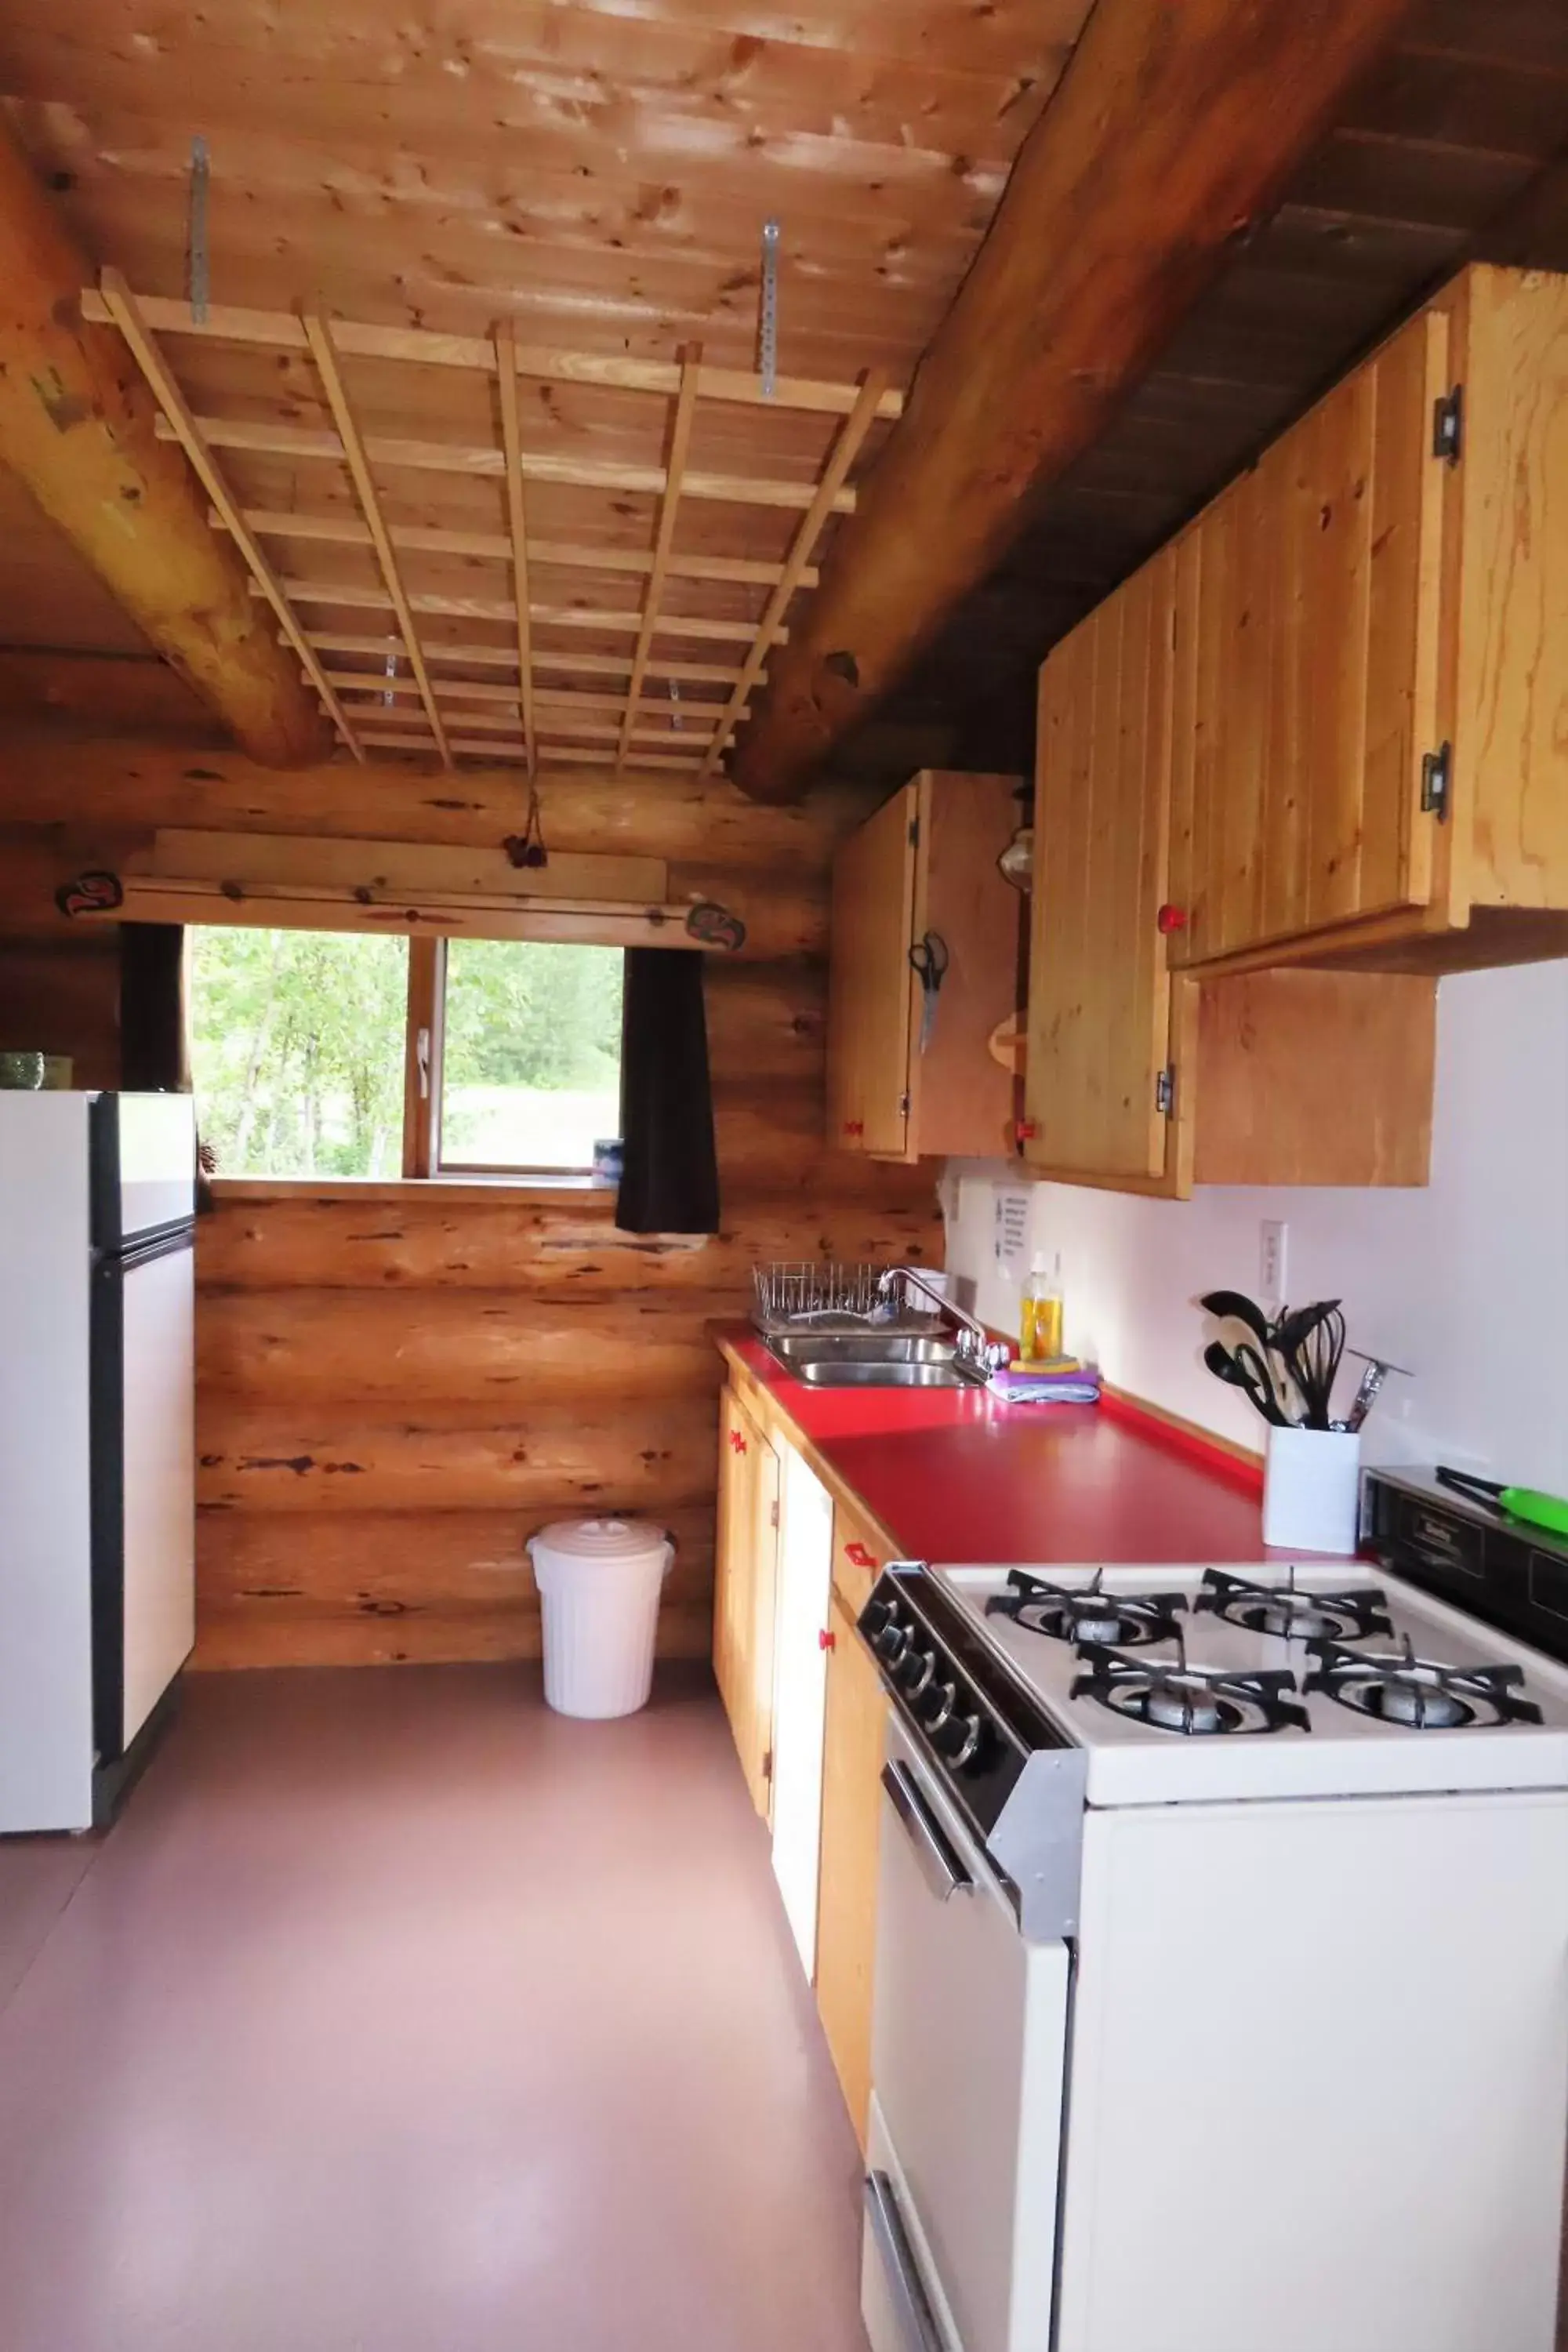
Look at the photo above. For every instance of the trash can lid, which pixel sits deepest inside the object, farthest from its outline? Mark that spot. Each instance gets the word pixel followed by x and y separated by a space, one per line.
pixel 601 1539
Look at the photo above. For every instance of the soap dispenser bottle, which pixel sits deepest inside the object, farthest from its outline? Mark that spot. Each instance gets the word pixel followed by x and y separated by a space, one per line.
pixel 1040 1334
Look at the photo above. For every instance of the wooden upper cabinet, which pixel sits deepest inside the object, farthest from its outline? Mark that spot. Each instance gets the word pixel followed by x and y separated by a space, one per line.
pixel 1369 763
pixel 869 1010
pixel 923 874
pixel 1308 608
pixel 1154 1081
pixel 1098 1022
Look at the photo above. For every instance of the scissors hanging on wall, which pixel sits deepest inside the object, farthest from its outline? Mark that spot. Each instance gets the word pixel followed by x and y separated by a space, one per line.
pixel 929 959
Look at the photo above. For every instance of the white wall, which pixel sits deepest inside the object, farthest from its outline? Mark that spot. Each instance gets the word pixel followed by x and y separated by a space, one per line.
pixel 1466 1282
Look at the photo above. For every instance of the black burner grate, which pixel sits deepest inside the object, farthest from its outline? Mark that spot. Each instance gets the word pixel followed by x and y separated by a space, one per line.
pixel 1419 1694
pixel 1196 1701
pixel 1291 1613
pixel 1087 1614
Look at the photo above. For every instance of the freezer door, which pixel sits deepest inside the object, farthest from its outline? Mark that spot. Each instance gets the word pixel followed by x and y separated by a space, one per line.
pixel 143 1165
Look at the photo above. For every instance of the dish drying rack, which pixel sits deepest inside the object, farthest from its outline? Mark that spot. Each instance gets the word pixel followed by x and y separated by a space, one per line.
pixel 836 1298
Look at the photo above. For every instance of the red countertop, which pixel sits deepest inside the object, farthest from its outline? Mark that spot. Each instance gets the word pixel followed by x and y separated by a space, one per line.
pixel 956 1474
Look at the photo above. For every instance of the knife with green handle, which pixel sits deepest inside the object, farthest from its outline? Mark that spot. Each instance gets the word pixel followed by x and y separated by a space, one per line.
pixel 1526 1503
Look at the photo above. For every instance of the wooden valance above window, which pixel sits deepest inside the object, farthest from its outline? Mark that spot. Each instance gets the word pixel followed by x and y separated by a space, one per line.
pixel 298 882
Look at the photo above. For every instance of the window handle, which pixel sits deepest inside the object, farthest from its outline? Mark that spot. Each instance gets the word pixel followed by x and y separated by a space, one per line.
pixel 422 1058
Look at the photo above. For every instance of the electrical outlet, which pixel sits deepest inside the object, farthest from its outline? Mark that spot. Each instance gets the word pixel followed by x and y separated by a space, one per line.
pixel 1272 1233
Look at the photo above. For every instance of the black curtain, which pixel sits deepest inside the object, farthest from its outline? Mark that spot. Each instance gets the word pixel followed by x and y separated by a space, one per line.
pixel 669 1181
pixel 153 1053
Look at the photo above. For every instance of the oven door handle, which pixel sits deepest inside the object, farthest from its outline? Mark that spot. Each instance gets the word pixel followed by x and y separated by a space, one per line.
pixel 940 1866
pixel 917 2323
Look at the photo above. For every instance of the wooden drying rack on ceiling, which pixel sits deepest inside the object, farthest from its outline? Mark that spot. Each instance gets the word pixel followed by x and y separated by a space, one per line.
pixel 455 713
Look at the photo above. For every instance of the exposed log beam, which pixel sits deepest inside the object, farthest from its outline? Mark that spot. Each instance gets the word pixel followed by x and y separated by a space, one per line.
pixel 1174 126
pixel 80 428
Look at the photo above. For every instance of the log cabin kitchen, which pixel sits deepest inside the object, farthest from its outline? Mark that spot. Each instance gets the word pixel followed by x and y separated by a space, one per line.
pixel 784 1176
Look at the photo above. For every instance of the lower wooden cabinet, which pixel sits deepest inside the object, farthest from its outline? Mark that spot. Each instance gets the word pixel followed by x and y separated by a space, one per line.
pixel 847 1890
pixel 752 1606
pixel 744 1585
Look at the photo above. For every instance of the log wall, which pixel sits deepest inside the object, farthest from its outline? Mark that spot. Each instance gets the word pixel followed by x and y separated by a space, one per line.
pixel 397 1384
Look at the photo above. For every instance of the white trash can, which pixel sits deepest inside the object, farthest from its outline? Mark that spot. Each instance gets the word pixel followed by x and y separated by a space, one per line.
pixel 599 1582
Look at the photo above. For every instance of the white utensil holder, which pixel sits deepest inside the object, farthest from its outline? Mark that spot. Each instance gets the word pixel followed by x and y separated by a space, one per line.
pixel 1311 1490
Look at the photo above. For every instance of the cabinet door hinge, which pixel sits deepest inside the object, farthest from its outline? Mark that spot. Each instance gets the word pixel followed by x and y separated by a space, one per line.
pixel 914 833
pixel 1448 425
pixel 772 1515
pixel 1436 781
pixel 767 1763
pixel 1165 1092
pixel 903 1106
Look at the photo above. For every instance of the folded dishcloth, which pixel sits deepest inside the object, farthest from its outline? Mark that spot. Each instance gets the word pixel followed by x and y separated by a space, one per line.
pixel 1059 1379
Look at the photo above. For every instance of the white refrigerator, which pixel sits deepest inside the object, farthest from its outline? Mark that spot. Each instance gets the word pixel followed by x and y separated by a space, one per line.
pixel 97 1452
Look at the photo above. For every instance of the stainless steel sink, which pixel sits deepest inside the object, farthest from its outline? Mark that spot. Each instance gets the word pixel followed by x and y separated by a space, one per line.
pixel 840 1372
pixel 794 1348
pixel 872 1360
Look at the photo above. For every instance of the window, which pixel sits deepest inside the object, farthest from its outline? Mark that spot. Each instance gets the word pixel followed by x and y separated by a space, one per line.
pixel 531 1054
pixel 328 1054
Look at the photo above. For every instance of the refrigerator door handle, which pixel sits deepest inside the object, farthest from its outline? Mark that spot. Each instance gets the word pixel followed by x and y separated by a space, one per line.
pixel 146 1248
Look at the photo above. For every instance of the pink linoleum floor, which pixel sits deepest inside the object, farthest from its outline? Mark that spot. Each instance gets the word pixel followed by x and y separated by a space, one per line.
pixel 399 2015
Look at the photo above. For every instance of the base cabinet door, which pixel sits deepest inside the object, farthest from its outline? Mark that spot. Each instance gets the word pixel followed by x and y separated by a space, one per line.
pixel 846 1888
pixel 745 1577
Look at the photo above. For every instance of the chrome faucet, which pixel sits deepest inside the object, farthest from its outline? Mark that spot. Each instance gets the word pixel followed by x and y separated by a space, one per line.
pixel 987 1354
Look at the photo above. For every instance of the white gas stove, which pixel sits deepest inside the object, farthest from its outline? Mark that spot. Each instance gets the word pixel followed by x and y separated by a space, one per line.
pixel 1270 1682
pixel 1222 1992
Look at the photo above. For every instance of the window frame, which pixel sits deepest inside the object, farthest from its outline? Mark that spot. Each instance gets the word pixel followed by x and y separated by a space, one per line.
pixel 424 1065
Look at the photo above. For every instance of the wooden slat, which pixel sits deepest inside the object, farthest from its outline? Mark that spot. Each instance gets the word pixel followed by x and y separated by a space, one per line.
pixel 298 907
pixel 494 608
pixel 502 657
pixel 552 723
pixel 181 425
pixel 495 547
pixel 183 854
pixel 674 473
pixel 824 502
pixel 280 331
pixel 469 689
pixel 319 335
pixel 301 443
pixel 511 444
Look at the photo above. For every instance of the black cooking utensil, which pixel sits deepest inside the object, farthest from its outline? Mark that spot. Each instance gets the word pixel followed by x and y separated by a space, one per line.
pixel 1249 1376
pixel 1232 1306
pixel 1310 1341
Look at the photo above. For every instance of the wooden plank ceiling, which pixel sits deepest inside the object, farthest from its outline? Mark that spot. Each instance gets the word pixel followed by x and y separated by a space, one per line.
pixel 588 179
pixel 599 174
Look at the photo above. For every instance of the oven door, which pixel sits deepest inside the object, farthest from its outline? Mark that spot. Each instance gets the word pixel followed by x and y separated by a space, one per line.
pixel 968 2056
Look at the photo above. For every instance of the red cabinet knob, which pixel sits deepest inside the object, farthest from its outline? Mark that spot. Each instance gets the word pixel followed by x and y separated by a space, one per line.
pixel 737 1442
pixel 1171 919
pixel 857 1556
pixel 854 1127
pixel 1025 1131
pixel 827 1638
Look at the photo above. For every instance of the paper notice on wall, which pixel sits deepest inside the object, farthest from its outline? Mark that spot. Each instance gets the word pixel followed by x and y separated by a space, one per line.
pixel 1010 1213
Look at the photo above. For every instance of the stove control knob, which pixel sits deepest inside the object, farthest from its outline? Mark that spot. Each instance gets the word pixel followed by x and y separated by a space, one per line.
pixel 960 1739
pixel 938 1705
pixel 892 1643
pixel 876 1617
pixel 917 1670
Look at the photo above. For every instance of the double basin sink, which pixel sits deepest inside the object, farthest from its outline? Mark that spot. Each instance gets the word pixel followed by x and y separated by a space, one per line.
pixel 872 1360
